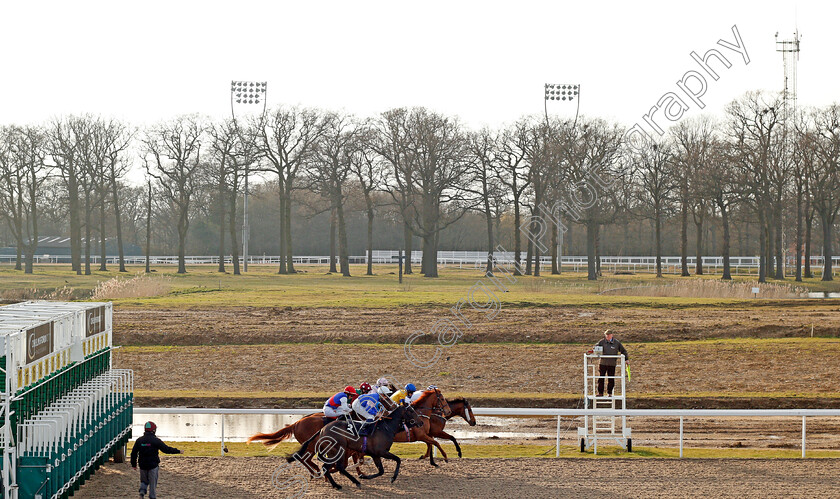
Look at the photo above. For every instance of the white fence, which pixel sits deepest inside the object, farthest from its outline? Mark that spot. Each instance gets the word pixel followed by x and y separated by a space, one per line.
pixel 740 265
pixel 529 412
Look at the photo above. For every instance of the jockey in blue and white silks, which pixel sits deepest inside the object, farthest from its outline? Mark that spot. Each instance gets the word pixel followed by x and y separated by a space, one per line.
pixel 367 406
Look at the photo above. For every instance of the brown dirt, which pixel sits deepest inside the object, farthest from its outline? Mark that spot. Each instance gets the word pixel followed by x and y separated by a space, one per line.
pixel 248 325
pixel 192 477
pixel 720 368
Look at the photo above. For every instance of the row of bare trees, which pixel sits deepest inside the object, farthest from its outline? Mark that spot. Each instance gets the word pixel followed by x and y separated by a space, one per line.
pixel 759 157
pixel 429 171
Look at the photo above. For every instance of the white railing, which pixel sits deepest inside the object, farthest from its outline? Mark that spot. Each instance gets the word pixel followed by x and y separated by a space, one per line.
pixel 390 256
pixel 739 265
pixel 526 412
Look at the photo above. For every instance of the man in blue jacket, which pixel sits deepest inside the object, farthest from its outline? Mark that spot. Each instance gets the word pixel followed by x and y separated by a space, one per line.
pixel 147 447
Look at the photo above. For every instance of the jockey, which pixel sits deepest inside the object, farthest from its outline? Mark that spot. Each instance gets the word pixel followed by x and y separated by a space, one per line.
pixel 339 404
pixel 383 386
pixel 365 388
pixel 403 396
pixel 413 398
pixel 368 407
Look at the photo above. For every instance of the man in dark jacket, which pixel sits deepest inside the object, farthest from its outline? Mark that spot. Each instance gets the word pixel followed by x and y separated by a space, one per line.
pixel 611 346
pixel 147 448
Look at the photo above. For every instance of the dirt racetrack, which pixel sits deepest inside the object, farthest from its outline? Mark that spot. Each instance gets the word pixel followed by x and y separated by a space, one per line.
pixel 264 325
pixel 194 477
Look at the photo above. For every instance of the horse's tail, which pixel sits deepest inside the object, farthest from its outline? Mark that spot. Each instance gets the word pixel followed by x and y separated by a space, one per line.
pixel 272 439
pixel 299 454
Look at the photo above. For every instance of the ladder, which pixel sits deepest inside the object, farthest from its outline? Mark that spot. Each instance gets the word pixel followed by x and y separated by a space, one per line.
pixel 604 427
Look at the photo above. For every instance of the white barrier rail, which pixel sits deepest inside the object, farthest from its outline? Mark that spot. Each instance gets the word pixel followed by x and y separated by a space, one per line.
pixel 739 265
pixel 530 412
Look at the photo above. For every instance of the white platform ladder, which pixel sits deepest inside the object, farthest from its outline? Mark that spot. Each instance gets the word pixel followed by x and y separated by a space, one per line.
pixel 598 427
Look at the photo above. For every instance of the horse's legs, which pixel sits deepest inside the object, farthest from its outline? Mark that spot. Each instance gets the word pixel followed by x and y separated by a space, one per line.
pixel 431 441
pixel 330 478
pixel 381 470
pixel 357 463
pixel 443 434
pixel 342 468
pixel 428 452
pixel 393 457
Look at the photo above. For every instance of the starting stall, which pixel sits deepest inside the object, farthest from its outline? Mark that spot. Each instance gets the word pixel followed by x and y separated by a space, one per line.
pixel 63 409
pixel 596 427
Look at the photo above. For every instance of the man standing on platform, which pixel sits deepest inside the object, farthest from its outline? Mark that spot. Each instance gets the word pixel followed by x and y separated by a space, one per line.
pixel 611 346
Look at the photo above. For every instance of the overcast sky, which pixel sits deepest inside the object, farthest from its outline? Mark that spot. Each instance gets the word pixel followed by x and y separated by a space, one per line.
pixel 483 61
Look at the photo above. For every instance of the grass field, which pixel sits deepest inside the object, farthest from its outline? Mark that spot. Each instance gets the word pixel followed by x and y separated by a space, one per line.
pixel 203 286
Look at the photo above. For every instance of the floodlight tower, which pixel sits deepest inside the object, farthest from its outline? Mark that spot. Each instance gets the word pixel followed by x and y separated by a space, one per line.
pixel 246 93
pixel 567 93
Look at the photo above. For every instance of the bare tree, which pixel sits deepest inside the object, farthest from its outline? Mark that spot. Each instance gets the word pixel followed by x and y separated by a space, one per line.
pixel 593 151
pixel 148 223
pixel 753 126
pixel 515 177
pixel 223 140
pixel 288 138
pixel 656 180
pixel 542 155
pixel 175 148
pixel 391 143
pixel 803 160
pixel 22 175
pixel 692 141
pixel 62 146
pixel 436 146
pixel 825 177
pixel 367 168
pixel 483 166
pixel 330 167
pixel 719 185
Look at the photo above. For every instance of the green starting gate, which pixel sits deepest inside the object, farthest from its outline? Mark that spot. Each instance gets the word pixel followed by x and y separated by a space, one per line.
pixel 63 409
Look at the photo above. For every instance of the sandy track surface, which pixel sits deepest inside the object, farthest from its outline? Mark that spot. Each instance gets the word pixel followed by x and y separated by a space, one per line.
pixel 791 366
pixel 248 325
pixel 191 477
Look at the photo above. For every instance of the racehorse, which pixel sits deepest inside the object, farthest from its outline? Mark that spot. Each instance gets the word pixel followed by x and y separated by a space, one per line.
pixel 377 445
pixel 302 430
pixel 430 401
pixel 459 407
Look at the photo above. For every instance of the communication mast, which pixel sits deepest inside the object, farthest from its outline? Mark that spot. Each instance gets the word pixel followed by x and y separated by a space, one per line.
pixel 790 57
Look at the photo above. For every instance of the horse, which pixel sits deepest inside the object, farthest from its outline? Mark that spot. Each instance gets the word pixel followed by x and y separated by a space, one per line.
pixel 459 407
pixel 302 430
pixel 430 401
pixel 377 445
pixel 434 401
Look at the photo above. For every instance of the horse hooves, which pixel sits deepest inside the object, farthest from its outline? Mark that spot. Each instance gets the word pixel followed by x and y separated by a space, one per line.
pixel 393 479
pixel 421 458
pixel 337 487
pixel 435 465
pixel 358 485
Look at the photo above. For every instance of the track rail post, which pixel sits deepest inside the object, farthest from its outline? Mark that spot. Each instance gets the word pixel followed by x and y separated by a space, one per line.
pixel 557 442
pixel 222 450
pixel 803 436
pixel 681 436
